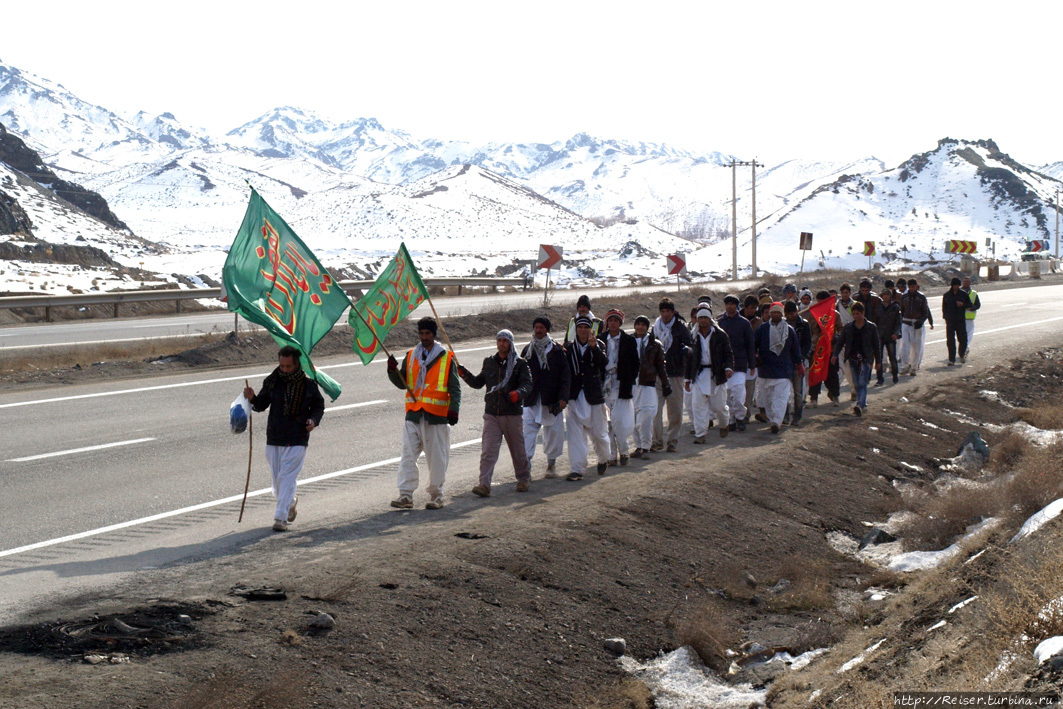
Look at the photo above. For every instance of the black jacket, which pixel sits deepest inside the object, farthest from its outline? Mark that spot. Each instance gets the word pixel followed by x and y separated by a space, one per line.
pixel 740 333
pixel 497 403
pixel 627 361
pixel 870 345
pixel 915 310
pixel 588 371
pixel 284 430
pixel 552 385
pixel 804 336
pixel 873 306
pixel 719 352
pixel 674 356
pixel 890 322
pixel 954 306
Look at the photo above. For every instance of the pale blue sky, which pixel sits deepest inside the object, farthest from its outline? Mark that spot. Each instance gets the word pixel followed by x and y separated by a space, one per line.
pixel 829 80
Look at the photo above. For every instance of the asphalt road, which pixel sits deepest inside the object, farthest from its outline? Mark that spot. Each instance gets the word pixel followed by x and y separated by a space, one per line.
pixel 103 480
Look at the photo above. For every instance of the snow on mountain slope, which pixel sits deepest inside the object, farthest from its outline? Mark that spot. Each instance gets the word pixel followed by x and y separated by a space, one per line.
pixel 967 190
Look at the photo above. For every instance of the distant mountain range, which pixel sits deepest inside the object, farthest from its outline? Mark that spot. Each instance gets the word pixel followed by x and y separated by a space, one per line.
pixel 353 190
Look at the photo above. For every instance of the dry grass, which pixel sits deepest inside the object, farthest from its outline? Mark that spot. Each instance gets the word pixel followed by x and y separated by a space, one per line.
pixel 49 358
pixel 710 632
pixel 627 694
pixel 940 518
pixel 810 586
pixel 1037 481
pixel 1048 417
pixel 1004 455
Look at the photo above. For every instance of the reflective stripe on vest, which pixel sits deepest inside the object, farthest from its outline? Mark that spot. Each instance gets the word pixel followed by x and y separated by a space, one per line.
pixel 972 314
pixel 435 397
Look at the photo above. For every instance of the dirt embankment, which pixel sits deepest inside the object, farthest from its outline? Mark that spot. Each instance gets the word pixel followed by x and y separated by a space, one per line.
pixel 507 603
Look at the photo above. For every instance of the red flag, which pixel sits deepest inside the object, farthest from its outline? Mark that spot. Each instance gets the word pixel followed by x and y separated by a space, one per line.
pixel 825 315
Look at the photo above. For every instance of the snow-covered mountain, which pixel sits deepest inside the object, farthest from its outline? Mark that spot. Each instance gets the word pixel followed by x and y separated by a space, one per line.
pixel 965 190
pixel 354 189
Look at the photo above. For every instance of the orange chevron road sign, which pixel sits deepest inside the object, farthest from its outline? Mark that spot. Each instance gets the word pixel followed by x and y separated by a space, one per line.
pixel 955 246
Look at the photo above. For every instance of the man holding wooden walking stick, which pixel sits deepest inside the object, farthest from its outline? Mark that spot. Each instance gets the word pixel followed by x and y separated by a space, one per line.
pixel 295 409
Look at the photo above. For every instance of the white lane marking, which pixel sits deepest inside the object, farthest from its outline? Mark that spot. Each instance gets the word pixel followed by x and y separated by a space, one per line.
pixel 188 384
pixel 1010 305
pixel 982 333
pixel 103 342
pixel 202 506
pixel 355 406
pixel 78 450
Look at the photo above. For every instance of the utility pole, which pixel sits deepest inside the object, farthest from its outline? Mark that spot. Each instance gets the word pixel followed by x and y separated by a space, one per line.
pixel 734 215
pixel 1057 222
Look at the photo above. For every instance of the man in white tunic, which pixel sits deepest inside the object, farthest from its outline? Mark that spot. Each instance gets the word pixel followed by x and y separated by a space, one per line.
pixel 644 392
pixel 585 413
pixel 551 381
pixel 778 355
pixel 707 372
pixel 621 371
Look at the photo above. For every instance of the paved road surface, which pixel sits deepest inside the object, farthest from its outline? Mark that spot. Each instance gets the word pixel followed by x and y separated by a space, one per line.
pixel 101 480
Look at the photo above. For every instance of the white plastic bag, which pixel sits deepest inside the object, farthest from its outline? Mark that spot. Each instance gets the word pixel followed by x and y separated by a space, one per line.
pixel 239 414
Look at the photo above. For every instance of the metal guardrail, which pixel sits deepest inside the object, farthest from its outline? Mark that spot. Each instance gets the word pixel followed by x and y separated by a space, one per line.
pixel 116 298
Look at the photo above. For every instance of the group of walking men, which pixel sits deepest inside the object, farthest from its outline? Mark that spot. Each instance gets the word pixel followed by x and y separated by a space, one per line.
pixel 624 394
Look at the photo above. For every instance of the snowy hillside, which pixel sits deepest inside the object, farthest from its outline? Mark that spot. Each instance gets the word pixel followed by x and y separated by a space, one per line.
pixel 966 190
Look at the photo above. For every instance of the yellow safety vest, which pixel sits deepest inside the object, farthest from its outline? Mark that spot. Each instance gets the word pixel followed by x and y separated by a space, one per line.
pixel 972 314
pixel 434 398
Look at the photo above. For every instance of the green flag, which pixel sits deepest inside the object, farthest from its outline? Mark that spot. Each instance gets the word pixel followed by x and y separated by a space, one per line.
pixel 272 279
pixel 397 292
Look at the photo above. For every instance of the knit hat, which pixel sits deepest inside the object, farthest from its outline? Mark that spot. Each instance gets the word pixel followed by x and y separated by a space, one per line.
pixel 731 299
pixel 704 312
pixel 542 319
pixel 765 299
pixel 956 282
pixel 642 319
pixel 506 335
pixel 705 299
pixel 583 320
pixel 429 324
pixel 776 307
pixel 614 313
pixel 803 293
pixel 789 288
pixel 584 301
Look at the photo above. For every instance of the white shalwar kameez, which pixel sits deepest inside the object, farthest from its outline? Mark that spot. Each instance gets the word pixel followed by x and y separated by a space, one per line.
pixel 621 411
pixel 285 464
pixel 913 338
pixel 736 397
pixel 582 420
pixel 536 418
pixel 776 397
pixel 434 441
pixel 708 400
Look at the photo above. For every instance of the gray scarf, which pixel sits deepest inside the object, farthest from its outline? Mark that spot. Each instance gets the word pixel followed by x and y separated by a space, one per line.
pixel 423 371
pixel 511 361
pixel 778 334
pixel 540 348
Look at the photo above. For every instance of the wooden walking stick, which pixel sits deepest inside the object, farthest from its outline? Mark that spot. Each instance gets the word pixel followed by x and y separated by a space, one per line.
pixel 250 443
pixel 443 329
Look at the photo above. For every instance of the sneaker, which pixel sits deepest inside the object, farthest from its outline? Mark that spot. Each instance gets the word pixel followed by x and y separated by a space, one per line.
pixel 732 427
pixel 551 468
pixel 481 491
pixel 761 416
pixel 880 382
pixel 724 430
pixel 834 400
pixel 857 411
pixel 656 446
pixel 906 371
pixel 574 476
pixel 292 512
pixel 895 379
pixel 775 428
pixel 280 525
pixel 699 440
pixel 602 467
pixel 741 425
pixel 434 504
pixel 624 459
pixel 672 446
pixel 796 422
pixel 637 453
pixel 952 364
pixel 523 485
pixel 405 502
pixel 814 401
pixel 786 420
pixel 913 372
pixel 611 463
pixel 963 359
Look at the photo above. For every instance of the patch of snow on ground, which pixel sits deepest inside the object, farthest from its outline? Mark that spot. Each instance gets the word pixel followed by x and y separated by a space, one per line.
pixel 961 604
pixel 1048 648
pixel 860 658
pixel 678 680
pixel 935 626
pixel 920 560
pixel 1039 519
pixel 1036 435
pixel 802 660
pixel 975 557
pixel 995 397
pixel 962 418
